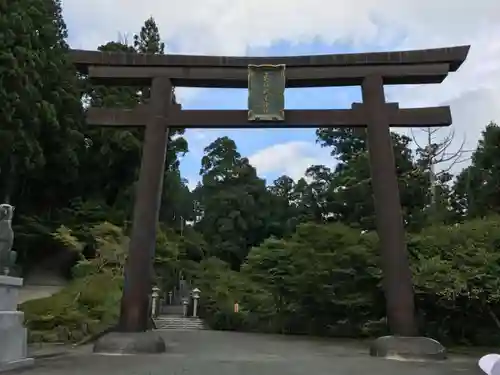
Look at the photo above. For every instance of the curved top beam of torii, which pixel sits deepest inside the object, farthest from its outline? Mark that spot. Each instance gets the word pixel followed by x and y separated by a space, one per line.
pixel 454 56
pixel 399 67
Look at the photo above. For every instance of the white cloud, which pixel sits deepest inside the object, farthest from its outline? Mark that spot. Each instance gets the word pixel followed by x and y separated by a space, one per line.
pixel 472 92
pixel 230 27
pixel 291 158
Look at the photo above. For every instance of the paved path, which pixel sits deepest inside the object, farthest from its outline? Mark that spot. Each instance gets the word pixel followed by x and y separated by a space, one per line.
pixel 29 292
pixel 41 283
pixel 231 353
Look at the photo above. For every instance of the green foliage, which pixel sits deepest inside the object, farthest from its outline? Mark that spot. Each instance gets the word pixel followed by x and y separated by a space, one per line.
pixel 456 280
pixel 65 236
pixel 233 203
pixel 116 153
pixel 476 187
pixel 221 288
pixel 323 280
pixel 326 280
pixel 347 192
pixel 176 252
pixel 84 308
pixel 41 116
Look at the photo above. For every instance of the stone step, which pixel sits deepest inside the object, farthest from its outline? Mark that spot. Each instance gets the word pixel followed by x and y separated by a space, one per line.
pixel 172 310
pixel 163 327
pixel 178 322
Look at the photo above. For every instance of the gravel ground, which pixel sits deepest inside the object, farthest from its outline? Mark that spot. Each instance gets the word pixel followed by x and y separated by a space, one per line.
pixel 233 353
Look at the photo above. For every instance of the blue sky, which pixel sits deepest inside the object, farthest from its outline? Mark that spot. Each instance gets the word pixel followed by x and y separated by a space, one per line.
pixel 297 27
pixel 251 141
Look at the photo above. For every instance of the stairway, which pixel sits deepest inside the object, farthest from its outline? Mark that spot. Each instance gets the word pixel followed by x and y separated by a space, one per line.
pixel 166 322
pixel 171 316
pixel 172 310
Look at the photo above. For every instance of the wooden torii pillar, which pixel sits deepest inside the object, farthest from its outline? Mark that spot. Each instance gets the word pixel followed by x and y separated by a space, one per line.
pixel 370 71
pixel 134 310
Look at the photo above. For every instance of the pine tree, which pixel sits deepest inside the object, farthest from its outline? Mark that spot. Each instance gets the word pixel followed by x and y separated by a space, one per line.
pixel 41 113
pixel 148 41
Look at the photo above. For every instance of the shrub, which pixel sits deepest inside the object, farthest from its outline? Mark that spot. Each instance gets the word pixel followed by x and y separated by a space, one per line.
pixel 326 280
pixel 82 309
pixel 90 304
pixel 456 271
pixel 221 288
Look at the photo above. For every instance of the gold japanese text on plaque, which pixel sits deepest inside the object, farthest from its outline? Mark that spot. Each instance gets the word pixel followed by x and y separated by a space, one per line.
pixel 266 92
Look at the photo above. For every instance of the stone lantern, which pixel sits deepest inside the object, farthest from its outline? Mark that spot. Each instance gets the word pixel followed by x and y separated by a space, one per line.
pixel 185 303
pixel 196 297
pixel 170 294
pixel 155 296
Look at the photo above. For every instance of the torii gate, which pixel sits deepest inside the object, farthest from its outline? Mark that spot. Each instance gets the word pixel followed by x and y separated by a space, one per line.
pixel 266 110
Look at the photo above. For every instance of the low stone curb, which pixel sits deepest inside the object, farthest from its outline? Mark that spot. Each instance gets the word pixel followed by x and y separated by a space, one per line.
pixel 50 351
pixel 49 355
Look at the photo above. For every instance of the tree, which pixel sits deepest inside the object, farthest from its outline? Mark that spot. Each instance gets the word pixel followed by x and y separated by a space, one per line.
pixel 41 113
pixel 148 41
pixel 349 192
pixel 436 160
pixel 323 279
pixel 285 206
pixel 303 201
pixel 233 202
pixel 319 192
pixel 121 150
pixel 476 187
pixel 112 158
pixel 41 131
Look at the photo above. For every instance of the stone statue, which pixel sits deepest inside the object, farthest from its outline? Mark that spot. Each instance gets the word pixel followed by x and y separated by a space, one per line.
pixel 7 256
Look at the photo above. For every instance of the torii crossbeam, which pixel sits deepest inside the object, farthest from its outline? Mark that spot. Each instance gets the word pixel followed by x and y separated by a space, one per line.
pixel 370 70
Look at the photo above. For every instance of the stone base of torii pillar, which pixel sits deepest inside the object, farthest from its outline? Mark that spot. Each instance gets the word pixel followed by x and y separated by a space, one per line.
pixel 13 335
pixel 407 348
